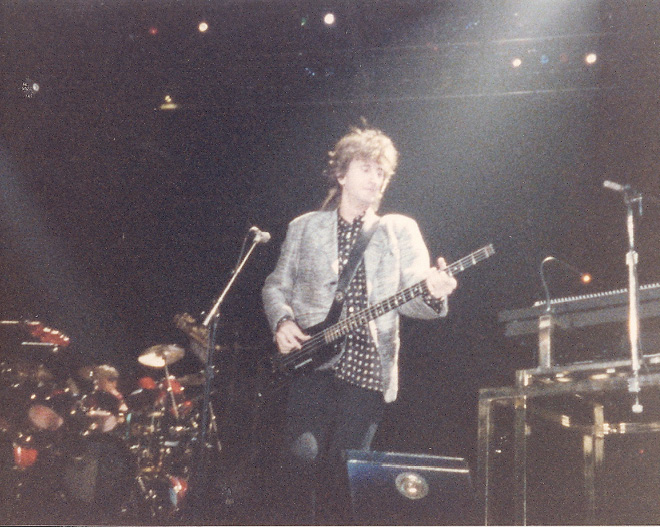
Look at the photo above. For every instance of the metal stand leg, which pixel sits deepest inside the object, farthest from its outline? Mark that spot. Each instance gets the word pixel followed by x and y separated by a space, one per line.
pixel 520 461
pixel 484 441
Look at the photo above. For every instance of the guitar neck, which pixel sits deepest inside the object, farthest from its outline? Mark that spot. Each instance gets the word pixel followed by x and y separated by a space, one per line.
pixel 363 317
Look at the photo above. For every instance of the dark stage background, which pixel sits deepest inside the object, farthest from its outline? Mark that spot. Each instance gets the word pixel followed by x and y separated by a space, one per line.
pixel 115 215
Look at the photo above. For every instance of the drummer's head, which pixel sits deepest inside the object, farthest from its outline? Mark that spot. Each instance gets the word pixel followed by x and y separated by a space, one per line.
pixel 106 377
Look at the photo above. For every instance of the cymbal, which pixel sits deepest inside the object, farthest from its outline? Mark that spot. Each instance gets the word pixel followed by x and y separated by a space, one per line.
pixel 161 355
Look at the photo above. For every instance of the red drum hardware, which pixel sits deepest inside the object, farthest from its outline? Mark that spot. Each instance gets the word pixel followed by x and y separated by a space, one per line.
pixel 84 444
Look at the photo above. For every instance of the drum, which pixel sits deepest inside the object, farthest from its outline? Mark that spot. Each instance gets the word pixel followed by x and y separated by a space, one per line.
pixel 17 394
pixel 142 434
pixel 99 471
pixel 102 412
pixel 49 407
pixel 25 455
pixel 176 455
pixel 184 406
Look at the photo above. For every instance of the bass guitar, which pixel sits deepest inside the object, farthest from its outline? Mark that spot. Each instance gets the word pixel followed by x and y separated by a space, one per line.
pixel 318 349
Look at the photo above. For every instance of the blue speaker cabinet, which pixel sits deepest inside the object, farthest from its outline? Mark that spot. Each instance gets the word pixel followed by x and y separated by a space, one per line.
pixel 389 488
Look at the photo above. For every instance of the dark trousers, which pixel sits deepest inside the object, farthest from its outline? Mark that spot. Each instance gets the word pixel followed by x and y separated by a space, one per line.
pixel 325 417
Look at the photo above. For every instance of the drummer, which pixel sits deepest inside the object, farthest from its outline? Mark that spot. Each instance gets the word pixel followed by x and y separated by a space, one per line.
pixel 106 412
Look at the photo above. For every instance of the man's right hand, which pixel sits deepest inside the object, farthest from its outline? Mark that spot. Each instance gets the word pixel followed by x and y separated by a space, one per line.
pixel 289 337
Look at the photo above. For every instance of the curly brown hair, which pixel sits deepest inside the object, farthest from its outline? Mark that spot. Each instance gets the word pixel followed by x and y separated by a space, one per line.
pixel 360 143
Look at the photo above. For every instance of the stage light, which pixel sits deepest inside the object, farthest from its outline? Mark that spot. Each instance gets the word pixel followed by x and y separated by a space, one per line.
pixel 153 31
pixel 203 27
pixel 30 88
pixel 590 58
pixel 516 63
pixel 168 103
pixel 329 19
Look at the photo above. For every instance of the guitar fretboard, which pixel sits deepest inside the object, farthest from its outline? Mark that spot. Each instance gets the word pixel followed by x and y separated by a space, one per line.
pixel 363 317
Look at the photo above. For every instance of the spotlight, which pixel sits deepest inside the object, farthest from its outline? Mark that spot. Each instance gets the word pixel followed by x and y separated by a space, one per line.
pixel 30 88
pixel 168 103
pixel 516 63
pixel 153 31
pixel 590 58
pixel 203 27
pixel 329 19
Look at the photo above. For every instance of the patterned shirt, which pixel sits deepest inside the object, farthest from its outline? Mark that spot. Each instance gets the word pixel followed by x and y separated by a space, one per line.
pixel 360 362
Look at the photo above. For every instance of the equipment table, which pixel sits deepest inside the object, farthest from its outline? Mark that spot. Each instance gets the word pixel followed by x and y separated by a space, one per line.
pixel 590 401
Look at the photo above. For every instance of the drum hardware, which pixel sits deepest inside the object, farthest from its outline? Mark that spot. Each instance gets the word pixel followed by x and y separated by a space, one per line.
pixel 161 356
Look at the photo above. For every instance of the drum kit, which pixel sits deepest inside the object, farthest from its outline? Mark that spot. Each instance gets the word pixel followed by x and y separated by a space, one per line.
pixel 90 446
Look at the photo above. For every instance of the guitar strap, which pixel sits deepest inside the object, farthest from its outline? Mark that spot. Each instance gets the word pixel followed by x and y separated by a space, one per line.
pixel 348 272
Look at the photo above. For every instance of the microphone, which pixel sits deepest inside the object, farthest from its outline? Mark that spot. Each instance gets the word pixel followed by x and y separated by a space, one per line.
pixel 616 187
pixel 585 278
pixel 259 235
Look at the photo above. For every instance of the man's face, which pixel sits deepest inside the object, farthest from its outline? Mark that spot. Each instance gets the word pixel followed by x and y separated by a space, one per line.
pixel 108 384
pixel 363 182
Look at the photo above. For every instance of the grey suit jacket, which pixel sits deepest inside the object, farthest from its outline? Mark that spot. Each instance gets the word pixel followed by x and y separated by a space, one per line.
pixel 304 281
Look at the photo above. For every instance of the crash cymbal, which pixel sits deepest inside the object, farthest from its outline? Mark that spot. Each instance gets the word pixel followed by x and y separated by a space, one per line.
pixel 161 355
pixel 192 379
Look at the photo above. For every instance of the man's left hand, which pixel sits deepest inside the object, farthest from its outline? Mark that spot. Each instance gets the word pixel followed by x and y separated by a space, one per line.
pixel 439 282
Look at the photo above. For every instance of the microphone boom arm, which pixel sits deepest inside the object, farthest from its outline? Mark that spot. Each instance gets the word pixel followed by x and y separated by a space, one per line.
pixel 216 307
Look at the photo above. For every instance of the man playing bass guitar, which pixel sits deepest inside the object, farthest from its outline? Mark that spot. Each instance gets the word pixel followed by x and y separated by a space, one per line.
pixel 338 403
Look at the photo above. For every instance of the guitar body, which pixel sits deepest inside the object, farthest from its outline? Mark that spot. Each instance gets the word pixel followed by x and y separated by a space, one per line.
pixel 313 352
pixel 308 357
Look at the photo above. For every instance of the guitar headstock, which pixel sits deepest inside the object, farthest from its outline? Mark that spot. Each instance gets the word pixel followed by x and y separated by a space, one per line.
pixel 190 327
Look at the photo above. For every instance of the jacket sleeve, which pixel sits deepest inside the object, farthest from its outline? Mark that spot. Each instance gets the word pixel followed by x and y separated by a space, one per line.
pixel 278 287
pixel 415 265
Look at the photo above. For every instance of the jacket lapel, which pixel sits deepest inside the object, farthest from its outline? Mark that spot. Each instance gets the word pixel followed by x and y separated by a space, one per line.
pixel 373 253
pixel 327 240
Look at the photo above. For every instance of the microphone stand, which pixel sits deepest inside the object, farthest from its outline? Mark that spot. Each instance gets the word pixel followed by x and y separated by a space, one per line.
pixel 207 412
pixel 546 324
pixel 632 259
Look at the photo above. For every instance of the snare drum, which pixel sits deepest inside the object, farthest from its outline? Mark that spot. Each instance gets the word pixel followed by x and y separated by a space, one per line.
pixel 102 411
